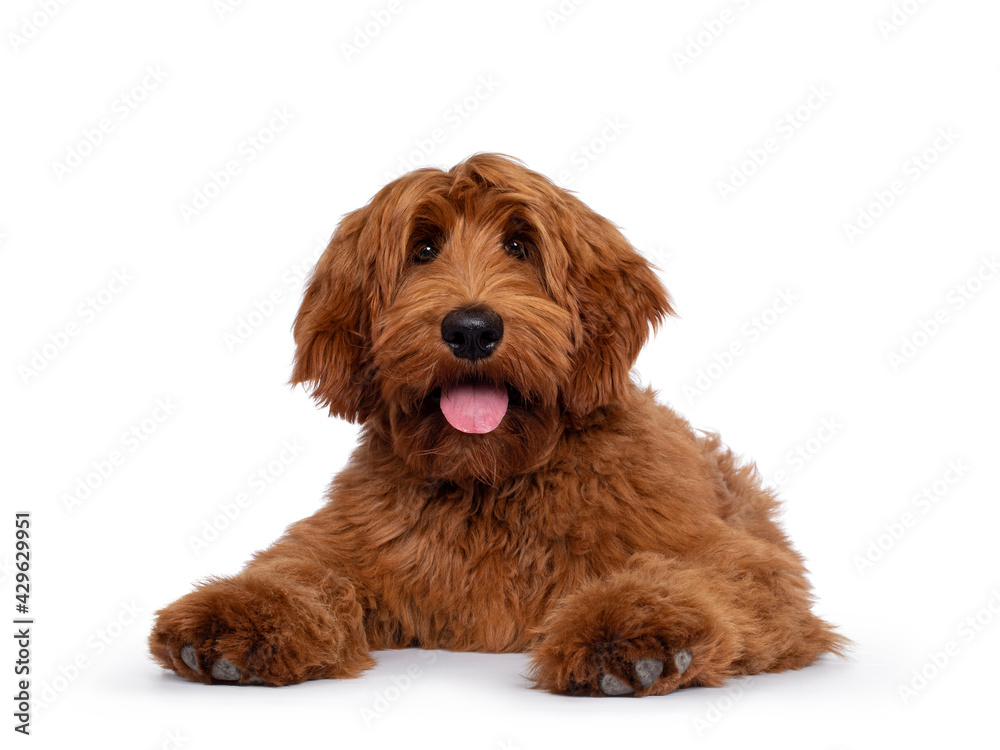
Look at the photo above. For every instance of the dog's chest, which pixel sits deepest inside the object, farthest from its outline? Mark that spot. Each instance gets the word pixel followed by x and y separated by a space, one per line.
pixel 473 571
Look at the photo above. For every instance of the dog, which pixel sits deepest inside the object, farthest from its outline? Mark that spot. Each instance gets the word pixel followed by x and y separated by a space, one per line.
pixel 513 489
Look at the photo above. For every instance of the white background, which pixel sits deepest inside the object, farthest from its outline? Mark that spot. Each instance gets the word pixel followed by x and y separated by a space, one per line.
pixel 891 81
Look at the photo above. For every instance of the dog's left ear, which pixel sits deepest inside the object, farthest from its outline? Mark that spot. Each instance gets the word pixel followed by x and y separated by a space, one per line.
pixel 619 298
pixel 333 327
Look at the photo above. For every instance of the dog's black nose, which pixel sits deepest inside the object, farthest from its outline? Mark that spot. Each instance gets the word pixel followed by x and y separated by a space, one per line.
pixel 472 334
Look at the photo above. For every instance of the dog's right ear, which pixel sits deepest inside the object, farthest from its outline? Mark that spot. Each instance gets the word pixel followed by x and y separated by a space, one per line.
pixel 333 327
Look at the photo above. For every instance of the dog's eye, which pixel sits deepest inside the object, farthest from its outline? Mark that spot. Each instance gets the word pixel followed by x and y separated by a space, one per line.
pixel 516 249
pixel 425 253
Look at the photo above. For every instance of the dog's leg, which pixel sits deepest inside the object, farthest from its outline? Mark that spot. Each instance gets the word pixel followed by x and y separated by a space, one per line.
pixel 284 619
pixel 662 623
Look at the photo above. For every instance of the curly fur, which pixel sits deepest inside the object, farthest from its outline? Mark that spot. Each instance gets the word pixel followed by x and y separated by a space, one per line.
pixel 592 528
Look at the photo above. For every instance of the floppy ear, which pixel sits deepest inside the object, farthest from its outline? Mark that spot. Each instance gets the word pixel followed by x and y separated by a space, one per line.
pixel 333 327
pixel 618 297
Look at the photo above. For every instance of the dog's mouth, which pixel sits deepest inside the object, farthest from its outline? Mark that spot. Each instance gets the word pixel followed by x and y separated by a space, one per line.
pixel 473 406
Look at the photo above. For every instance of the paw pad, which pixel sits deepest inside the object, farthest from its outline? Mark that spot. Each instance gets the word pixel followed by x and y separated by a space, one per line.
pixel 190 658
pixel 647 671
pixel 223 670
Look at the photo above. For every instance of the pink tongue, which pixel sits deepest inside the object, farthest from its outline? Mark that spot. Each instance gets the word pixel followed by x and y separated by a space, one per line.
pixel 474 408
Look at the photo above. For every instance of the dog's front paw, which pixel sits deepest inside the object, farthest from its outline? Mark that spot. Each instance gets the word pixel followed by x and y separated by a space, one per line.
pixel 632 633
pixel 609 663
pixel 249 630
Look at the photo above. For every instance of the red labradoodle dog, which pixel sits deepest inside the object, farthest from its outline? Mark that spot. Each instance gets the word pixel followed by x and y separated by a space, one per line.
pixel 513 489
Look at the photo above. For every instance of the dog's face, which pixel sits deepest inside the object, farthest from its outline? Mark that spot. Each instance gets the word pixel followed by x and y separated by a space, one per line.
pixel 466 315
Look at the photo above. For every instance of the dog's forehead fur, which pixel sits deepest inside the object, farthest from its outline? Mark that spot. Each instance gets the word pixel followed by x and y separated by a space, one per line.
pixel 475 204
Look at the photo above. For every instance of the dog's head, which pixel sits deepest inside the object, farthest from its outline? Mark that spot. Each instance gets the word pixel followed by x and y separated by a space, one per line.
pixel 467 314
